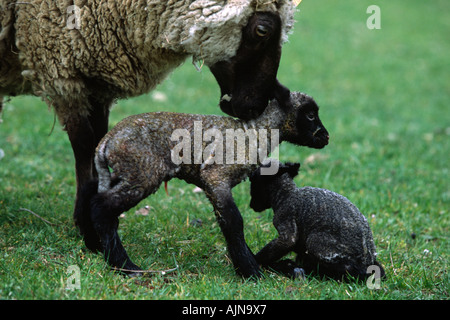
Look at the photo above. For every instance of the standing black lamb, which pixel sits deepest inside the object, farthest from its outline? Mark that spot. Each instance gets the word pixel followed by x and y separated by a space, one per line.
pixel 327 231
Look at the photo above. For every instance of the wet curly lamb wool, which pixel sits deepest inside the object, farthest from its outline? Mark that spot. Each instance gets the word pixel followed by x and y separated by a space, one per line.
pixel 136 156
pixel 55 60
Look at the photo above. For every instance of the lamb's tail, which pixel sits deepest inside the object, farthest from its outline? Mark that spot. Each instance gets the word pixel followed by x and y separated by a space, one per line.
pixel 101 165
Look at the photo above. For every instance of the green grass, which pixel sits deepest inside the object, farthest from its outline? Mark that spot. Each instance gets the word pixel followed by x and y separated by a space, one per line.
pixel 384 98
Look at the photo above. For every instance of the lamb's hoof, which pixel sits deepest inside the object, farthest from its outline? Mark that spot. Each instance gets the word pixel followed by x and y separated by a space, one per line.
pixel 252 272
pixel 135 274
pixel 288 268
pixel 253 275
pixel 129 270
pixel 130 273
pixel 299 273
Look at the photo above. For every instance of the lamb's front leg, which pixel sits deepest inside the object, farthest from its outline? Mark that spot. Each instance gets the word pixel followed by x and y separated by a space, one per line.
pixel 273 251
pixel 270 255
pixel 232 226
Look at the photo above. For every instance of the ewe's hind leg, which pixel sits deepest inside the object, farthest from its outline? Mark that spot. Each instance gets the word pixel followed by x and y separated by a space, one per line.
pixel 84 131
pixel 81 136
pixel 83 214
pixel 98 119
pixel 105 210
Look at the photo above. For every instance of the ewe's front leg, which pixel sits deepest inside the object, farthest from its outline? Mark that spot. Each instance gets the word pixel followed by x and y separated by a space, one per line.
pixel 232 226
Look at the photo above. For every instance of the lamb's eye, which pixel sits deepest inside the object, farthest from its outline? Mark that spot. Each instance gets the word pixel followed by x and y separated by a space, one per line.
pixel 310 116
pixel 261 30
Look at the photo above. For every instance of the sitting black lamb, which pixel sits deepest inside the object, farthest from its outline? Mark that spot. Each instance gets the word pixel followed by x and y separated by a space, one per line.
pixel 328 233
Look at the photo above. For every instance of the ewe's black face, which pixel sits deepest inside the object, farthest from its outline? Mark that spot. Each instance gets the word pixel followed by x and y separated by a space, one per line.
pixel 248 80
pixel 310 131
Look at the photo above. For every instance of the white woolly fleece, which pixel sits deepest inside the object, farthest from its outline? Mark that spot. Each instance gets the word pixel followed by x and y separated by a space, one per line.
pixel 131 44
pixel 212 29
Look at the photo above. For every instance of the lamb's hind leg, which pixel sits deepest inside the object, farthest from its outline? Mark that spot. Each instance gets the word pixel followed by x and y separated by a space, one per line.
pixel 323 256
pixel 105 210
pixel 231 223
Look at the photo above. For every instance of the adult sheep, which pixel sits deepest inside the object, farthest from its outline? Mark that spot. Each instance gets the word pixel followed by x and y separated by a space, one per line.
pixel 81 55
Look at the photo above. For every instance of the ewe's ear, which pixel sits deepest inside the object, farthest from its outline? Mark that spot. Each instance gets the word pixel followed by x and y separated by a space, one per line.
pixel 292 168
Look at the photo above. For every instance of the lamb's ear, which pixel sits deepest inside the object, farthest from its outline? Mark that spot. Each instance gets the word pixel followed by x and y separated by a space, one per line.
pixel 282 94
pixel 292 168
pixel 255 174
pixel 258 174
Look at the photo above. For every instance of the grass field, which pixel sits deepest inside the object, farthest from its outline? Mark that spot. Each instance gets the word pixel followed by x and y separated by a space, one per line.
pixel 384 97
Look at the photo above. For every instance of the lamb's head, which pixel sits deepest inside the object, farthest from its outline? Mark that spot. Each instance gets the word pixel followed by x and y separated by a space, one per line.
pixel 260 187
pixel 249 79
pixel 303 126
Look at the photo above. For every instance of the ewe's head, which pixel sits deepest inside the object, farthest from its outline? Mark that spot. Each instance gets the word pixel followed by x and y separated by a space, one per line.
pixel 240 41
pixel 303 126
pixel 248 80
pixel 260 190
